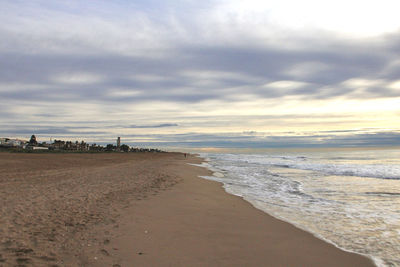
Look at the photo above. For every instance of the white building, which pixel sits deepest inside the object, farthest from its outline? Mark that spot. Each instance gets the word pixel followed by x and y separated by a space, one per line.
pixel 11 142
pixel 40 148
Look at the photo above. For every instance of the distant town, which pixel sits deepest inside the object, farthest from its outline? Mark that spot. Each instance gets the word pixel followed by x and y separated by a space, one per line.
pixel 67 146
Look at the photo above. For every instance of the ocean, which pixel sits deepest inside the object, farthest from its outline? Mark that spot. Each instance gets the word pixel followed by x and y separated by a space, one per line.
pixel 348 197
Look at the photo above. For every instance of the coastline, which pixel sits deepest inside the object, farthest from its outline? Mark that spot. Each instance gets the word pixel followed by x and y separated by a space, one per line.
pixel 377 262
pixel 147 210
pixel 197 223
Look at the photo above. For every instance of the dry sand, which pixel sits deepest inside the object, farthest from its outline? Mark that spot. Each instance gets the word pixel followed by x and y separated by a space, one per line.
pixel 144 209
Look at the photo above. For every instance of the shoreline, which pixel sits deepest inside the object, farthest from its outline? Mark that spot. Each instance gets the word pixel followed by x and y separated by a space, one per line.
pixel 141 210
pixel 377 261
pixel 235 232
pixel 216 173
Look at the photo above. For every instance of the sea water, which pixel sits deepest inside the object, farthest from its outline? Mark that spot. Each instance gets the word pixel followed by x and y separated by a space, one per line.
pixel 349 198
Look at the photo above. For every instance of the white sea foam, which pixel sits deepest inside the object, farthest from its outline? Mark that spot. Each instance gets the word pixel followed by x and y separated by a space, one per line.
pixel 324 193
pixel 332 167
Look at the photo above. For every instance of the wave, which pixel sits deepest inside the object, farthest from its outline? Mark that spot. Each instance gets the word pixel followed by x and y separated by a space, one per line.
pixel 332 167
pixel 383 193
pixel 369 171
pixel 345 212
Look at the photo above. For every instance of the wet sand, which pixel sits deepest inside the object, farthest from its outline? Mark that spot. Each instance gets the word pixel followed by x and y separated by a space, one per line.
pixel 144 209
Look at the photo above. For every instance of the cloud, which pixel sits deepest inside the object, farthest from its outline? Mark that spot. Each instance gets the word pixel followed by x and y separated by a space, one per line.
pixel 315 14
pixel 77 78
pixel 209 65
pixel 90 132
pixel 46 131
pixel 238 140
pixel 154 126
pixel 112 78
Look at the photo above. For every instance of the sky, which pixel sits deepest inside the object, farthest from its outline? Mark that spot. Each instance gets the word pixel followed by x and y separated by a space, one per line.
pixel 212 73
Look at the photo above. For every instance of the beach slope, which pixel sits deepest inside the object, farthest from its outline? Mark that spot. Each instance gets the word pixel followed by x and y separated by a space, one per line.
pixel 196 223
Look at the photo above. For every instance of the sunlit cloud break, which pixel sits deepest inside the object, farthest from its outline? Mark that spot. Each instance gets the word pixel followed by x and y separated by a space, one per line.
pixel 154 126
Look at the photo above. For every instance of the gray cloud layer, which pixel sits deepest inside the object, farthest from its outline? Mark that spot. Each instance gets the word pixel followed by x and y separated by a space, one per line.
pixel 237 70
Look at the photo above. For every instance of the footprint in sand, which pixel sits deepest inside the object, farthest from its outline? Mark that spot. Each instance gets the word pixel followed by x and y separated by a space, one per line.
pixel 105 252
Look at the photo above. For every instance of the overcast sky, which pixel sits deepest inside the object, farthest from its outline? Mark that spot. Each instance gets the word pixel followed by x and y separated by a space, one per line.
pixel 202 73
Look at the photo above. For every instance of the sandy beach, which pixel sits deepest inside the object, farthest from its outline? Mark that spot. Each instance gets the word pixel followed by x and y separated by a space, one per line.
pixel 140 209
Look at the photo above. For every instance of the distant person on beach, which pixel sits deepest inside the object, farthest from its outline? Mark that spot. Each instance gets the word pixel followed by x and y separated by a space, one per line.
pixel 184 154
